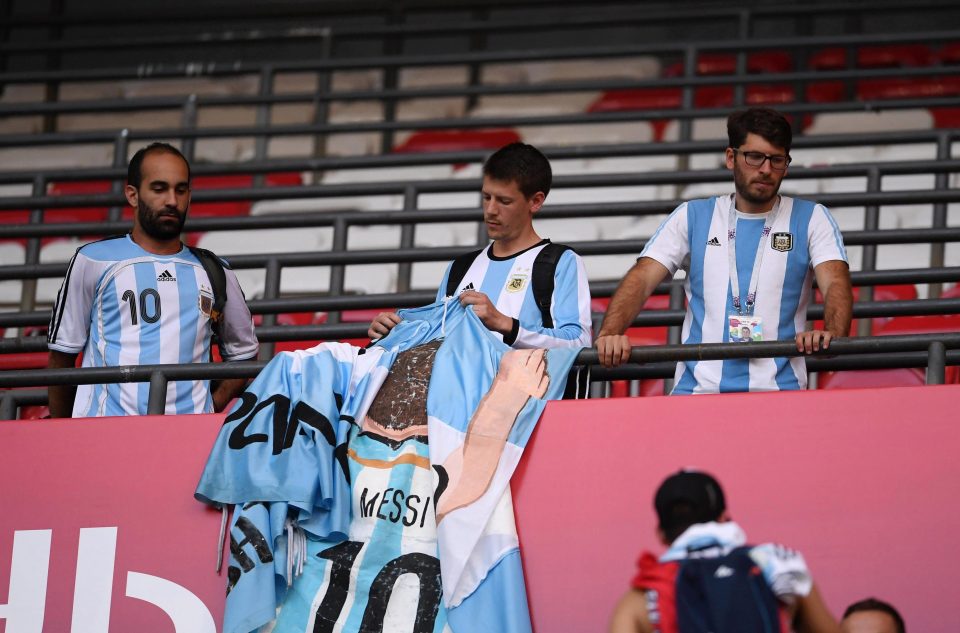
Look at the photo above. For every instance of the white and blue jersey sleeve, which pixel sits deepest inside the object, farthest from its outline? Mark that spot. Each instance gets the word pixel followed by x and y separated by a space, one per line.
pixel 120 305
pixel 508 283
pixel 695 238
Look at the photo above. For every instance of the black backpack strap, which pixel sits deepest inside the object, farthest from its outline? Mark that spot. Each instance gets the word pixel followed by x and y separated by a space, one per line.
pixel 544 268
pixel 213 265
pixel 458 269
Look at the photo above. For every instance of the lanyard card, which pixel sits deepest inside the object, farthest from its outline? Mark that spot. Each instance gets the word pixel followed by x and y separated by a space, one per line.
pixel 744 329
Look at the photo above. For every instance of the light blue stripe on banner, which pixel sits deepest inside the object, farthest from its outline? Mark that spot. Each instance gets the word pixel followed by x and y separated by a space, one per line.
pixel 699 216
pixel 189 316
pixel 486 610
pixel 735 372
pixel 798 261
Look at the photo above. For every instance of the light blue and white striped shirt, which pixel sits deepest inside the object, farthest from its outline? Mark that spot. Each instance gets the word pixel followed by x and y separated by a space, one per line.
pixel 508 283
pixel 121 305
pixel 695 238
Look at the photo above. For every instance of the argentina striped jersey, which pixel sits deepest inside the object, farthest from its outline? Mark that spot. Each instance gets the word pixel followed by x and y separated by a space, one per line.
pixel 695 238
pixel 121 305
pixel 507 282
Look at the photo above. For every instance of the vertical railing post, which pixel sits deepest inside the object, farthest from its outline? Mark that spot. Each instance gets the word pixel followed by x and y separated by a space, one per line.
pixel 157 397
pixel 394 47
pixel 188 118
pixel 121 147
pixel 271 290
pixel 338 271
pixel 321 107
pixel 406 238
pixel 871 222
pixel 8 407
pixel 478 42
pixel 28 288
pixel 936 363
pixel 941 181
pixel 260 141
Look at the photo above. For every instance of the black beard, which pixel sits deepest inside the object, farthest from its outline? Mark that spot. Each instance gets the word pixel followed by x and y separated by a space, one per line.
pixel 150 224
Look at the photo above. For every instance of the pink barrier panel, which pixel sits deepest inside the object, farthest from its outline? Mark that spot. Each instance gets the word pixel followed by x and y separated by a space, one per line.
pixel 98 526
pixel 865 483
pixel 110 503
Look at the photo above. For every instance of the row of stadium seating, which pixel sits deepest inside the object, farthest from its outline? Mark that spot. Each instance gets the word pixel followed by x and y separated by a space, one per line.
pixel 928 77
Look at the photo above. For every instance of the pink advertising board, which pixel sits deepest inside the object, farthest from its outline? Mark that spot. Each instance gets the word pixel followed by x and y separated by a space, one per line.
pixel 99 530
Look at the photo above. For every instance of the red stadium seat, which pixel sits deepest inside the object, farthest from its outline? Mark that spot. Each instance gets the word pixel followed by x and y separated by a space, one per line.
pixel 908 88
pixel 23 360
pixel 950 53
pixel 896 292
pixel 945 118
pixel 457 140
pixel 889 56
pixel 871 378
pixel 726 64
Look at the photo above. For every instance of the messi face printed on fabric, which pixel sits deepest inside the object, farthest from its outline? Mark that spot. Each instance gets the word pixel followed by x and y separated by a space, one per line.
pixel 399 410
pixel 162 197
pixel 687 498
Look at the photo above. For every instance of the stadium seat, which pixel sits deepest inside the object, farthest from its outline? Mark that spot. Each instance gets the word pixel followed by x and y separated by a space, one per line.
pixel 871 378
pixel 11 254
pixel 726 64
pixel 644 67
pixel 907 88
pixel 293 280
pixel 886 56
pixel 53 157
pixel 457 140
pixel 519 106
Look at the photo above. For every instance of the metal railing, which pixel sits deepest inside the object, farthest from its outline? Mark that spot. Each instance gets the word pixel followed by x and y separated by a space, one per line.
pixel 930 351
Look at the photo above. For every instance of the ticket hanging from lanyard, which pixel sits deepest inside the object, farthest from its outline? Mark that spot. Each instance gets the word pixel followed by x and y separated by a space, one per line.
pixel 743 324
pixel 738 304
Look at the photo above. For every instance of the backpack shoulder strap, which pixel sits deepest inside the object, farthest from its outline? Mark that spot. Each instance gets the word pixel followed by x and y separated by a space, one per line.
pixel 214 266
pixel 458 269
pixel 542 278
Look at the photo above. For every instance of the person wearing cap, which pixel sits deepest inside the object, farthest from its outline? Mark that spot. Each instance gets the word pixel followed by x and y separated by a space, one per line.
pixel 872 616
pixel 696 527
pixel 750 258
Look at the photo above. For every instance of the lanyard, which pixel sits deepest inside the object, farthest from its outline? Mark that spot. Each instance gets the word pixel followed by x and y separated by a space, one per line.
pixel 758 259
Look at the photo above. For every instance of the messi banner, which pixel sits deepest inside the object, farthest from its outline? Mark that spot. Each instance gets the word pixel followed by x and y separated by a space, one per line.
pixel 372 486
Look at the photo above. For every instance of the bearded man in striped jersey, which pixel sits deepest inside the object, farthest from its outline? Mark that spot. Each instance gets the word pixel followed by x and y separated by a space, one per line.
pixel 145 298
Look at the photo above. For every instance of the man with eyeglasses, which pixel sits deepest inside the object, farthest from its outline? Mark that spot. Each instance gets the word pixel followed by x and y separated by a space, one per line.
pixel 750 258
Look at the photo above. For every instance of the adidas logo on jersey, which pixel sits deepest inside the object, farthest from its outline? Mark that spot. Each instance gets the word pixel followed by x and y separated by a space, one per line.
pixel 166 276
pixel 469 286
pixel 713 242
pixel 723 572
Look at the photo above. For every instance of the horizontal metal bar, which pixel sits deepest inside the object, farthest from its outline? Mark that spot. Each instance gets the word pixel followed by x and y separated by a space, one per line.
pixel 34 108
pixel 646 318
pixel 447 253
pixel 193 69
pixel 356 8
pixel 253 194
pixel 624 116
pixel 712 351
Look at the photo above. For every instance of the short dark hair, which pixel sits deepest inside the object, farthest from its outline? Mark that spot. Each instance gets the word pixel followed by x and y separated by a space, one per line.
pixel 765 122
pixel 686 498
pixel 523 164
pixel 135 168
pixel 872 604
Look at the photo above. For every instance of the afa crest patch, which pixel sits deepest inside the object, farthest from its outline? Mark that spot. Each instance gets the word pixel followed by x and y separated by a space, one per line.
pixel 516 283
pixel 782 242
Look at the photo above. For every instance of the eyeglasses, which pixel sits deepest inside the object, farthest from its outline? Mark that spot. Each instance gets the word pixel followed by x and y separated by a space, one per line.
pixel 755 159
